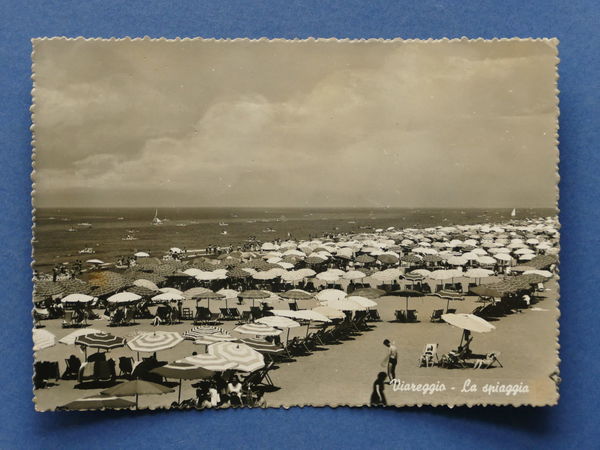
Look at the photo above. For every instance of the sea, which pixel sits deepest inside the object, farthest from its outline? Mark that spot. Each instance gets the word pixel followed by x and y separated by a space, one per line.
pixel 60 234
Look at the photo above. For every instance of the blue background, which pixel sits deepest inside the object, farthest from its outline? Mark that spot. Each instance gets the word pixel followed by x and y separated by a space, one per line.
pixel 574 423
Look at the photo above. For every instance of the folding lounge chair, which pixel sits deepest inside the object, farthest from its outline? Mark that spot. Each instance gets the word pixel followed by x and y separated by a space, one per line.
pixel 412 316
pixel 125 366
pixel 429 357
pixel 400 315
pixel 489 361
pixel 186 314
pixel 373 316
pixel 245 318
pixel 436 315
pixel 234 313
pixel 68 319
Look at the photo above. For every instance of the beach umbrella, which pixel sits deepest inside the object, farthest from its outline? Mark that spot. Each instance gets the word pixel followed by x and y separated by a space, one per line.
pixel 237 272
pixel 330 294
pixel 370 293
pixel 306 272
pixel 354 275
pixel 364 259
pixel 254 294
pixel 136 388
pixel 478 273
pixel 292 276
pixel 386 275
pixel 154 341
pixel 146 284
pixel 96 262
pixel 406 293
pixel 98 402
pixel 123 297
pixel 70 338
pixel 213 338
pixel 141 291
pixel 449 295
pixel 262 346
pixel 422 273
pixel 542 273
pixel 141 255
pixel 345 305
pixel 411 258
pixel 42 339
pixel 503 257
pixel 328 277
pixel 197 292
pixel 257 329
pixel 278 322
pixel 486 260
pixel 457 260
pixel 246 358
pixel 296 294
pixel 329 313
pixel 101 341
pixel 77 298
pixel 485 291
pixel 468 322
pixel 265 276
pixel 210 362
pixel 106 282
pixel 201 331
pixel 182 371
pixel 168 297
pixel 362 301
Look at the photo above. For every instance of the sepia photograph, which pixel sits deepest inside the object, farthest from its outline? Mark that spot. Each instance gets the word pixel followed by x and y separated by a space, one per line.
pixel 278 223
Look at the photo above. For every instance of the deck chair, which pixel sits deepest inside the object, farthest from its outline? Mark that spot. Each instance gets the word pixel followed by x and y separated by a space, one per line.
pixel 436 315
pixel 68 319
pixel 489 361
pixel 373 316
pixel 234 313
pixel 293 306
pixel 102 371
pixel 225 313
pixel 72 368
pixel 128 319
pixel 400 315
pixel 214 318
pixel 256 312
pixel 246 317
pixel 186 314
pixel 412 316
pixel 125 366
pixel 429 357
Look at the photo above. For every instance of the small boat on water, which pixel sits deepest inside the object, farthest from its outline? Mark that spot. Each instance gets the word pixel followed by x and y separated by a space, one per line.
pixel 120 218
pixel 224 232
pixel 84 225
pixel 181 225
pixel 72 230
pixel 87 251
pixel 513 213
pixel 156 220
pixel 223 224
pixel 129 237
pixel 268 230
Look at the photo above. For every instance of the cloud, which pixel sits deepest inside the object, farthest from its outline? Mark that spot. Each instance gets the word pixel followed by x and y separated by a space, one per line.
pixel 421 126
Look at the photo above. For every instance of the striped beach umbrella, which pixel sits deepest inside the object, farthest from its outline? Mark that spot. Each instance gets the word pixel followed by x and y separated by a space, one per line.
pixel 182 371
pixel 43 339
pixel 154 341
pixel 210 362
pixel 214 338
pixel 246 358
pixel 257 329
pixel 101 341
pixel 142 291
pixel 70 338
pixel 136 388
pixel 296 294
pixel 449 295
pixel 47 288
pixel 201 331
pixel 262 346
pixel 75 285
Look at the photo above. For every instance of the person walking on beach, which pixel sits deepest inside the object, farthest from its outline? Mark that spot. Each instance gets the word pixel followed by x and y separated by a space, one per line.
pixel 391 359
pixel 378 396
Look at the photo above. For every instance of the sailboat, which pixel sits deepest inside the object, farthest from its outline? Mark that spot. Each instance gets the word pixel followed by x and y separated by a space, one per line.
pixel 156 220
pixel 513 213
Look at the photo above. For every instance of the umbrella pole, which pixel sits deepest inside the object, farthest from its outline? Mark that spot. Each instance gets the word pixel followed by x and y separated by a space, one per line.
pixel 179 394
pixel 287 338
pixel 308 327
pixel 447 304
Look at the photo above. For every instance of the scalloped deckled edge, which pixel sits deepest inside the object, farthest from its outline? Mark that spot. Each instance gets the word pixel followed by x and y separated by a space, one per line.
pixel 554 42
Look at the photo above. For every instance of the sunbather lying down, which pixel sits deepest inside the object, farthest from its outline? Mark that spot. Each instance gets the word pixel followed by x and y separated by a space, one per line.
pixel 487 362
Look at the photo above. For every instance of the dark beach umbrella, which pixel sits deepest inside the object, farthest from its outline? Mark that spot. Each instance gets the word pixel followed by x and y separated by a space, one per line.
pixel 406 293
pixel 183 371
pixel 237 272
pixel 106 282
pixel 370 293
pixel 411 258
pixel 413 277
pixel 98 402
pixel 136 387
pixel 387 259
pixel 485 291
pixel 101 341
pixel 432 258
pixel 142 291
pixel 365 259
pixel 314 260
pixel 150 276
pixel 449 295
pixel 254 295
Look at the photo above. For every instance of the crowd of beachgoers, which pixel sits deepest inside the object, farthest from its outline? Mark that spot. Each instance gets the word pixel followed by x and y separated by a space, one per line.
pixel 221 322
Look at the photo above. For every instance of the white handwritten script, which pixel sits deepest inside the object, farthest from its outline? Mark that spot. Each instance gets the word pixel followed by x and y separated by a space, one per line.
pixel 468 387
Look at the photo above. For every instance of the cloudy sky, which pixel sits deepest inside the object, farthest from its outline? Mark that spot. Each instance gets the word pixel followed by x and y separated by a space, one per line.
pixel 317 124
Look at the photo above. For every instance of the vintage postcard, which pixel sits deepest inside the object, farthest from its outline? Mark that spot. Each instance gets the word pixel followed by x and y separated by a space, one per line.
pixel 274 223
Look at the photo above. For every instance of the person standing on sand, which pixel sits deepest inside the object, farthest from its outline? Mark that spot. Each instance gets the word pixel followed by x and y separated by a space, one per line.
pixel 391 359
pixel 377 396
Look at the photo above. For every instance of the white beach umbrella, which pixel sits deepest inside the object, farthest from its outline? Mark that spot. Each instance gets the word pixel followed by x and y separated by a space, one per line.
pixel 69 339
pixel 146 284
pixel 43 339
pixel 330 294
pixel 77 298
pixel 123 297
